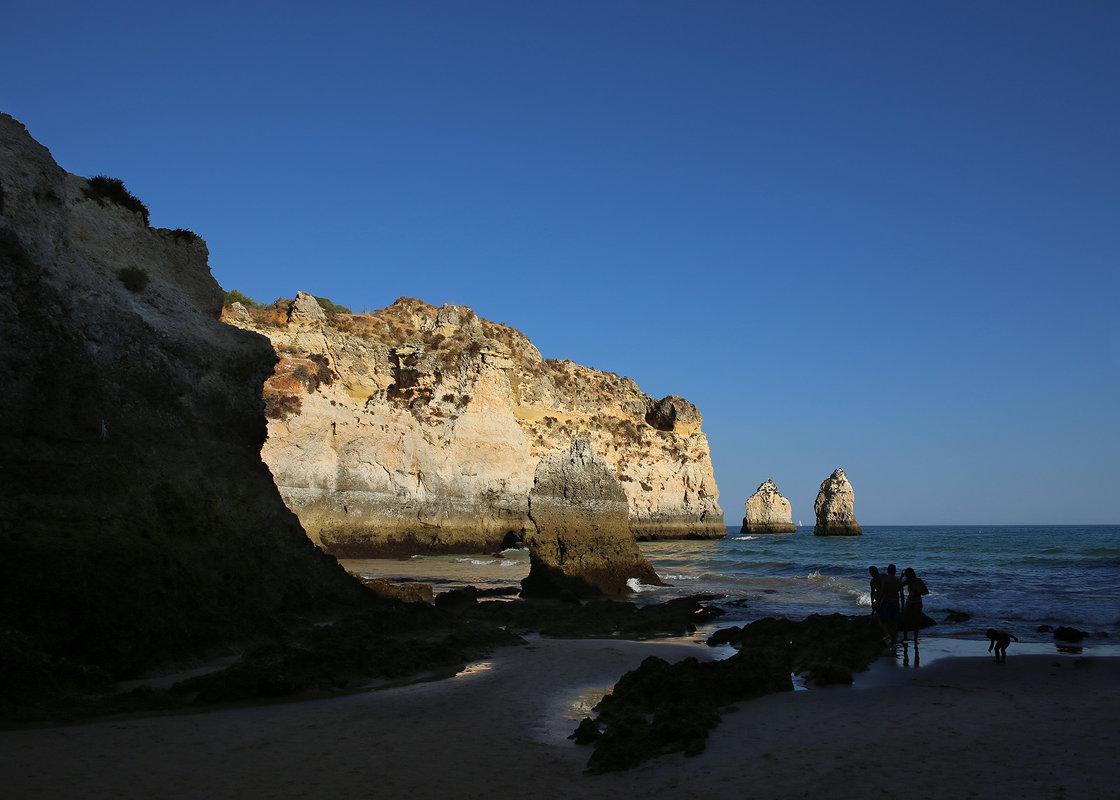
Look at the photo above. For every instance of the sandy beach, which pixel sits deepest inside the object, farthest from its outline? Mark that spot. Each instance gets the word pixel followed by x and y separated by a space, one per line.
pixel 1037 726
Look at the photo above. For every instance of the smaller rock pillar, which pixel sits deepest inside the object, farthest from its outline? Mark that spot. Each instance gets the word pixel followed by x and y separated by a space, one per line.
pixel 768 512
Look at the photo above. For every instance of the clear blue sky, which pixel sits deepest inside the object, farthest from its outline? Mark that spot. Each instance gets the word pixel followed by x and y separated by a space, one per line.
pixel 883 236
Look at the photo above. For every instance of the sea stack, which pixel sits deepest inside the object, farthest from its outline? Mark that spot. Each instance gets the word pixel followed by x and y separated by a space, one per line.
pixel 768 512
pixel 835 507
pixel 581 543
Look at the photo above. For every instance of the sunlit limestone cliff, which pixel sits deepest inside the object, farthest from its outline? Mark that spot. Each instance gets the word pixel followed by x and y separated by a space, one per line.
pixel 418 429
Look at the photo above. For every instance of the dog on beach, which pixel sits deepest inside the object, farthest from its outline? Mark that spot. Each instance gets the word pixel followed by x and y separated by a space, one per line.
pixel 999 642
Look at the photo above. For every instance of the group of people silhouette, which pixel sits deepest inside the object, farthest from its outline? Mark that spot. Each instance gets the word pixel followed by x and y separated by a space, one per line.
pixel 897 602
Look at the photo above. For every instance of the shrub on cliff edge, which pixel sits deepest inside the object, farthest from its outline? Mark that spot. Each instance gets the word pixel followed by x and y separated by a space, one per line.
pixel 234 296
pixel 330 305
pixel 185 235
pixel 104 188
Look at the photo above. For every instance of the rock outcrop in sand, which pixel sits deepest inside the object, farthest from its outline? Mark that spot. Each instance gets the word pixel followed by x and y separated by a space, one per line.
pixel 418 429
pixel 767 511
pixel 137 520
pixel 835 507
pixel 581 542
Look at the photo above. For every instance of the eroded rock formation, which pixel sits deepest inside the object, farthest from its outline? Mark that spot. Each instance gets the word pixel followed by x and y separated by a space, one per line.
pixel 767 511
pixel 835 507
pixel 581 542
pixel 418 429
pixel 137 520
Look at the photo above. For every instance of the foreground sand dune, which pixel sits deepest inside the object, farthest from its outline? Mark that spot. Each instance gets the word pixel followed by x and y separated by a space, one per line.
pixel 1039 726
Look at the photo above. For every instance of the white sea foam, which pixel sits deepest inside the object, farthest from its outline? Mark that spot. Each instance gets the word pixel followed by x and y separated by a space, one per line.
pixel 635 585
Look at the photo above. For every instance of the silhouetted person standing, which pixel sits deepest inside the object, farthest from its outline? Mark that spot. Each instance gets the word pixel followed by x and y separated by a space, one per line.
pixel 876 589
pixel 912 611
pixel 890 603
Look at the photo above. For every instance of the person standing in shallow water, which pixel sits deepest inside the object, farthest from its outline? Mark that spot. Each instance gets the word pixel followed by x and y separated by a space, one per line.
pixel 876 589
pixel 912 611
pixel 890 603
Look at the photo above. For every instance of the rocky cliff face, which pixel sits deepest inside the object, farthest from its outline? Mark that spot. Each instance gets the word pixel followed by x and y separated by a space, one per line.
pixel 418 429
pixel 835 507
pixel 581 542
pixel 137 521
pixel 767 511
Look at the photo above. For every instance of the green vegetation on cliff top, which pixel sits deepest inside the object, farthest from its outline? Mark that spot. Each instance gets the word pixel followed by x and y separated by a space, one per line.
pixel 234 296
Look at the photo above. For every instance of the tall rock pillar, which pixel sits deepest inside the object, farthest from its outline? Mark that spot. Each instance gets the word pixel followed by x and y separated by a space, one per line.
pixel 835 507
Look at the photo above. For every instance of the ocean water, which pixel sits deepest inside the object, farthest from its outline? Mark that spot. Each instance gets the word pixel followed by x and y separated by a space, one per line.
pixel 1013 577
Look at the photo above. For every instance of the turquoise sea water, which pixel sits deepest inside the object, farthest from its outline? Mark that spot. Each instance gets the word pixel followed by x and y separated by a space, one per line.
pixel 1014 577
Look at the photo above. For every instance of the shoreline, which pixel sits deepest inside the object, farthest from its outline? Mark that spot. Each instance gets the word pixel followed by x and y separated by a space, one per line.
pixel 1016 579
pixel 1037 726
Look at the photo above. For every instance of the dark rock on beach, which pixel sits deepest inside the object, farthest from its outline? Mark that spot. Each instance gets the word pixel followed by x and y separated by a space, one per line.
pixel 581 541
pixel 814 645
pixel 408 591
pixel 470 595
pixel 1064 633
pixel 732 635
pixel 663 708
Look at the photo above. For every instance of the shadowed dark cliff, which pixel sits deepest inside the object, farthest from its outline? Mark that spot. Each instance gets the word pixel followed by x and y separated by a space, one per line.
pixel 138 523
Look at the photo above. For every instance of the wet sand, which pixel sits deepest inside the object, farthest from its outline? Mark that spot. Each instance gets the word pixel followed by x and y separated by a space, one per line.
pixel 1037 726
